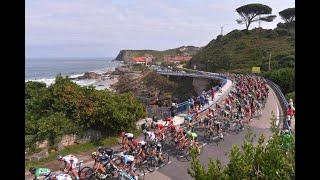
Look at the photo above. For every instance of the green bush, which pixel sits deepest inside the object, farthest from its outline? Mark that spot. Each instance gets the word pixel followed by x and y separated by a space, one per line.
pixel 284 77
pixel 291 96
pixel 251 161
pixel 66 108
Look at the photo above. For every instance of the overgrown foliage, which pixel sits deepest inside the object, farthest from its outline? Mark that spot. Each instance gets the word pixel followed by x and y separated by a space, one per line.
pixel 274 160
pixel 284 77
pixel 66 108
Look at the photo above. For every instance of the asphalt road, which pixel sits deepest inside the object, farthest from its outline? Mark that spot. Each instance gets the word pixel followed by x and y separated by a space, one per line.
pixel 178 170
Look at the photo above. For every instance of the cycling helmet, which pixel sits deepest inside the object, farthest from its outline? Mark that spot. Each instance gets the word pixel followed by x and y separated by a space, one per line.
pixel 94 154
pixel 100 149
pixel 144 131
pixel 32 170
pixel 59 157
pixel 108 151
pixel 121 154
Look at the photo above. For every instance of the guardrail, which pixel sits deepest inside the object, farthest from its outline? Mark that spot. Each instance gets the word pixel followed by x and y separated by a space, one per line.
pixel 164 112
pixel 283 101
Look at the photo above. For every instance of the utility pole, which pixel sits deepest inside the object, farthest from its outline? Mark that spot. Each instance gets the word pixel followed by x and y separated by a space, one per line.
pixel 221 30
pixel 269 61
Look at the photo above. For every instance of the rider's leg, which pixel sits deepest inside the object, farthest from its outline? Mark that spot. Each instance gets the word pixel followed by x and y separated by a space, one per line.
pixel 75 173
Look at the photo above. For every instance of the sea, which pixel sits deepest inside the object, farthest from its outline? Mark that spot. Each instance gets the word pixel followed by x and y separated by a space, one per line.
pixel 46 69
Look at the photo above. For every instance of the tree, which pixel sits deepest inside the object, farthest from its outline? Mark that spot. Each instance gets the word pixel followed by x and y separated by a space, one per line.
pixel 288 15
pixel 271 160
pixel 251 13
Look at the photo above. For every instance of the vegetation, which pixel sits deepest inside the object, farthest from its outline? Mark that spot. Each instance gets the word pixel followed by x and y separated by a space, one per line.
pixel 288 15
pixel 125 55
pixel 284 77
pixel 273 161
pixel 239 51
pixel 152 88
pixel 251 13
pixel 66 108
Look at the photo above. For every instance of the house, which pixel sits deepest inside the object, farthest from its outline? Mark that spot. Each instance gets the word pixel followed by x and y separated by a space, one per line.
pixel 145 60
pixel 177 59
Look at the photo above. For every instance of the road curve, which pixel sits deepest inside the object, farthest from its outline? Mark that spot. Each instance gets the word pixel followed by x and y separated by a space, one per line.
pixel 178 170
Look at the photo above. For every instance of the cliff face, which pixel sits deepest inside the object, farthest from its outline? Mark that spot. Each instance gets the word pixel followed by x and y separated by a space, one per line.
pixel 125 55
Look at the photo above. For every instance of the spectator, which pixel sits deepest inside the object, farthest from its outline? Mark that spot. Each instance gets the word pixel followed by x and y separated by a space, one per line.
pixel 191 100
pixel 173 110
pixel 212 93
pixel 290 111
pixel 202 100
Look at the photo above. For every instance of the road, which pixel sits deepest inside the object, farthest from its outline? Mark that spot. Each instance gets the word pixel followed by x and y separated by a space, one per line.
pixel 178 169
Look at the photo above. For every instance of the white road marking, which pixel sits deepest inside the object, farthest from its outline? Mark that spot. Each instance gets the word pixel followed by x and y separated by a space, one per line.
pixel 278 115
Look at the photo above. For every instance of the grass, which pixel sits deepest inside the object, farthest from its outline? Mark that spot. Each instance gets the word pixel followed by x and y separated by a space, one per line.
pixel 78 148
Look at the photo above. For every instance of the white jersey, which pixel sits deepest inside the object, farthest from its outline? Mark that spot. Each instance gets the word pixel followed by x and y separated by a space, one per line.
pixel 151 136
pixel 71 160
pixel 129 135
pixel 63 177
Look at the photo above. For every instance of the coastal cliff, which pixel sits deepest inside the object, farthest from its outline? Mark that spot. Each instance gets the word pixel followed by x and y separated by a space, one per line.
pixel 125 55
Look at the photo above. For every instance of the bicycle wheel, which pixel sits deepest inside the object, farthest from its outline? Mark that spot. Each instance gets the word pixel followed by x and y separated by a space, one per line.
pixel 206 135
pixel 187 154
pixel 151 164
pixel 165 157
pixel 139 171
pixel 86 173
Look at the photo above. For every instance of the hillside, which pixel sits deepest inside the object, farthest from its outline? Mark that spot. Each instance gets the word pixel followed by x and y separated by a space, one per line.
pixel 125 55
pixel 238 51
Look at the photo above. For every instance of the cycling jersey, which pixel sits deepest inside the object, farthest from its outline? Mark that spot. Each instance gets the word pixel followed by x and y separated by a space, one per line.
pixel 192 136
pixel 42 172
pixel 160 126
pixel 70 159
pixel 150 135
pixel 128 159
pixel 63 177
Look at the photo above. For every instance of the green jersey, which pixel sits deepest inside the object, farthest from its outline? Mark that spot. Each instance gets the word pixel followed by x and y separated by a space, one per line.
pixel 42 172
pixel 192 136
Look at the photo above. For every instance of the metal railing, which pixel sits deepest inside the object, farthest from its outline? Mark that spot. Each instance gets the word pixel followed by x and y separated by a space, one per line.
pixel 164 112
pixel 283 101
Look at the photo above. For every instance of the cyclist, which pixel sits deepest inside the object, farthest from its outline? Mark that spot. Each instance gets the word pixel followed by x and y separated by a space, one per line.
pixel 128 161
pixel 160 131
pixel 159 153
pixel 149 135
pixel 126 137
pixel 141 150
pixel 40 173
pixel 193 137
pixel 70 162
pixel 99 162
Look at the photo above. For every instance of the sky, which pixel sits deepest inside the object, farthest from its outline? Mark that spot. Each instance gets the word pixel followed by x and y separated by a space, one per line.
pixel 101 28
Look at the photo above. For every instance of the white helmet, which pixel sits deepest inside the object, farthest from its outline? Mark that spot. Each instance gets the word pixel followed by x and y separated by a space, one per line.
pixel 286 131
pixel 159 145
pixel 142 143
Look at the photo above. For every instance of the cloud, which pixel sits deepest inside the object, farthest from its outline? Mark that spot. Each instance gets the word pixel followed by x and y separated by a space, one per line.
pixel 159 24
